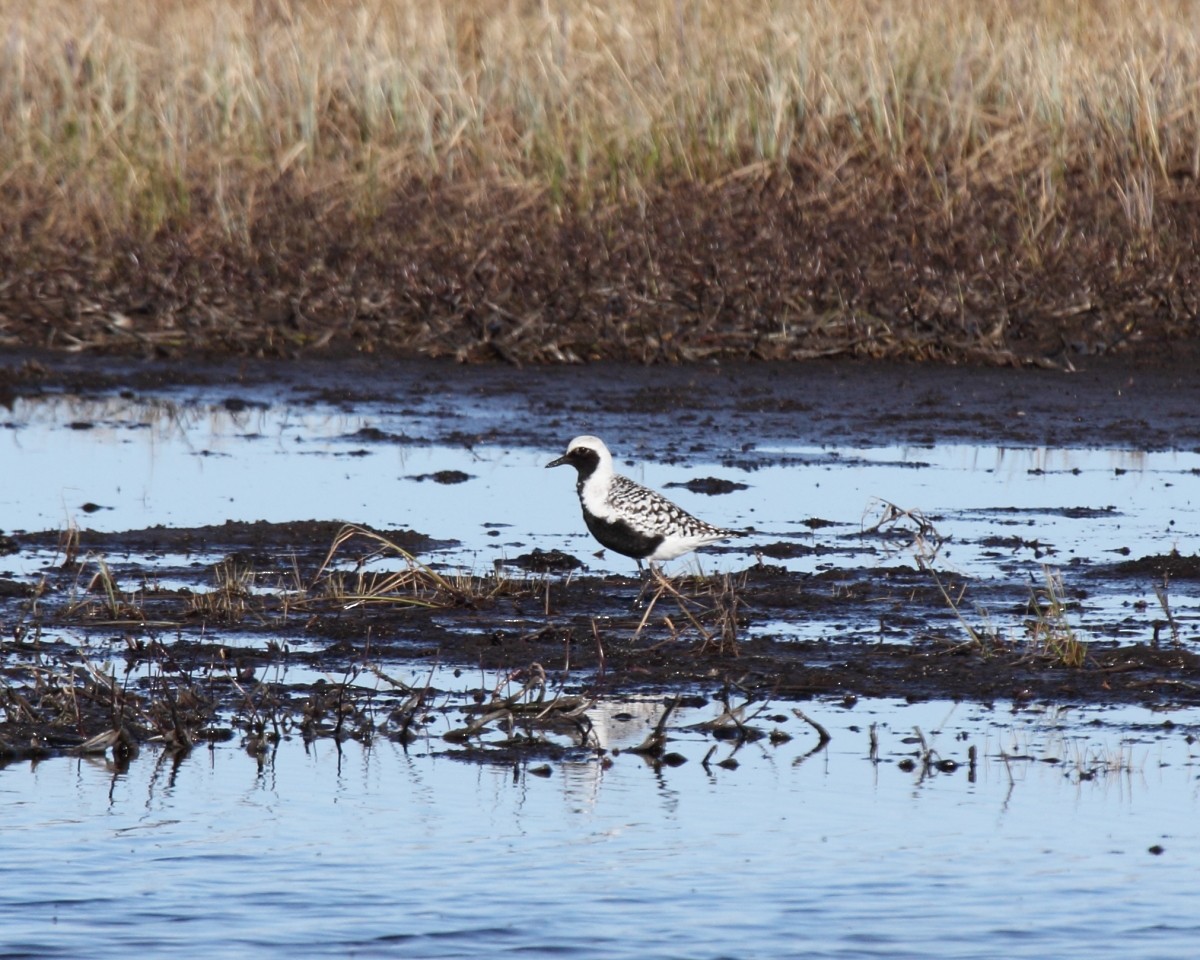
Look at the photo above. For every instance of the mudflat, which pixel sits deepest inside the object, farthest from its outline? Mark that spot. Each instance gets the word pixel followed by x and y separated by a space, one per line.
pixel 179 662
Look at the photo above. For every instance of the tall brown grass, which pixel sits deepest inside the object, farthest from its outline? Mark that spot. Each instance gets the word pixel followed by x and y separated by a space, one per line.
pixel 115 110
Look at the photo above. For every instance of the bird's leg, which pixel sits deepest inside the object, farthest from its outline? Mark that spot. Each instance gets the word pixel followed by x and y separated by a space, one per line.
pixel 642 575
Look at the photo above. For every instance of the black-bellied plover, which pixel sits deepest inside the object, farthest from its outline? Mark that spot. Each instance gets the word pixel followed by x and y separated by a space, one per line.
pixel 627 517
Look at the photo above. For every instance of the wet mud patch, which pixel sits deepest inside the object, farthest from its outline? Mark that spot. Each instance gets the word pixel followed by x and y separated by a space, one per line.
pixel 304 540
pixel 246 626
pixel 1171 566
pixel 836 403
pixel 709 486
pixel 275 638
pixel 444 477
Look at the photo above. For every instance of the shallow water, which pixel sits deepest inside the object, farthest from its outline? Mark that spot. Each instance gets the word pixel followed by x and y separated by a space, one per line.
pixel 385 853
pixel 115 464
pixel 1072 837
pixel 120 465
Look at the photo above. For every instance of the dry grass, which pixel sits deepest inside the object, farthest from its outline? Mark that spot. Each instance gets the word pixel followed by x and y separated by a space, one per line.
pixel 414 583
pixel 1050 634
pixel 713 599
pixel 144 111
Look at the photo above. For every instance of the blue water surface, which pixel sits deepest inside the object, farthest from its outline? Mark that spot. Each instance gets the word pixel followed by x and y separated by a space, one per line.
pixel 368 852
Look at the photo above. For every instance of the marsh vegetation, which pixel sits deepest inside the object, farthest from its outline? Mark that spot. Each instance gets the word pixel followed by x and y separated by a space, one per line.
pixel 557 182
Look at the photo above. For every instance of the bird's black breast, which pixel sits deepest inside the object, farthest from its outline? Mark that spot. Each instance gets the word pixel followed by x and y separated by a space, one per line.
pixel 620 536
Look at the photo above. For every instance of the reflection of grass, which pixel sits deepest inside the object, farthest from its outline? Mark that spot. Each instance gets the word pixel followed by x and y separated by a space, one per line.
pixel 1078 759
pixel 118 109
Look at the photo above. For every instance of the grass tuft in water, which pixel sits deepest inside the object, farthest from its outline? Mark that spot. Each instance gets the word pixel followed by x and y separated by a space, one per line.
pixel 1050 634
pixel 415 584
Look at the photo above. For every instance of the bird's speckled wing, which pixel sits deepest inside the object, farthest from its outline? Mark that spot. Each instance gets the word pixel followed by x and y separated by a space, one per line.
pixel 653 513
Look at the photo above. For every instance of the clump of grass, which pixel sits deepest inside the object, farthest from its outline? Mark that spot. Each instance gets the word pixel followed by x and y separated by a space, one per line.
pixel 414 584
pixel 1050 633
pixel 711 609
pixel 228 600
pixel 102 601
pixel 1049 636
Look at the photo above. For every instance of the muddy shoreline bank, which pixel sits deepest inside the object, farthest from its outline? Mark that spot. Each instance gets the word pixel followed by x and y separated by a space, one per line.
pixel 867 262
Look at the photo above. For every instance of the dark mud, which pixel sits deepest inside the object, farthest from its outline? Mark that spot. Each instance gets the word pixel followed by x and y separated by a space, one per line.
pixel 1142 405
pixel 865 260
pixel 189 664
pixel 222 612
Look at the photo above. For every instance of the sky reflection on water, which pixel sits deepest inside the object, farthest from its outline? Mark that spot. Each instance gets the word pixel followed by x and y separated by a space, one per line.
pixel 145 464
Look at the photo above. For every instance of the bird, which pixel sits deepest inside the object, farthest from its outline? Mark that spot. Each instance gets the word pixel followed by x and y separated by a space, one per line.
pixel 628 518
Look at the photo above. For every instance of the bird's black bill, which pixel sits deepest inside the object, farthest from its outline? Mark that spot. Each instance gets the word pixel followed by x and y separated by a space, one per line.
pixel 557 463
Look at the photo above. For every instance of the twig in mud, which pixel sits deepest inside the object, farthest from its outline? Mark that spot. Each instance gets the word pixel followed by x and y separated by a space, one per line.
pixel 599 651
pixel 823 736
pixel 666 587
pixel 1160 591
pixel 727 616
pixel 476 725
pixel 574 710
pixel 340 708
pixel 930 759
pixel 74 701
pixel 734 717
pixel 565 707
pixel 729 763
pixel 257 725
pixel 536 680
pixel 656 740
pixel 176 737
pixel 124 747
pixel 398 684
pixel 683 608
pixel 406 713
pixel 13 699
pixel 649 608
pixel 925 541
